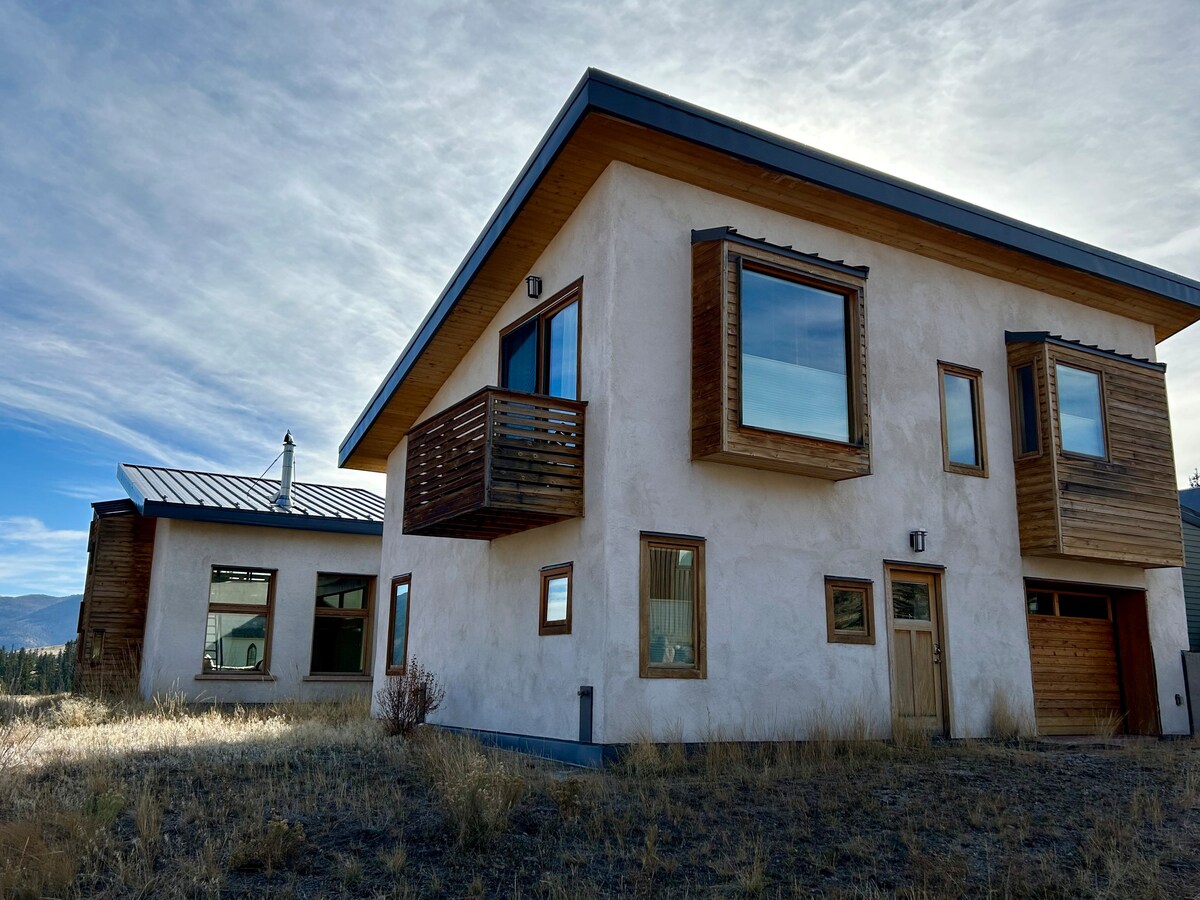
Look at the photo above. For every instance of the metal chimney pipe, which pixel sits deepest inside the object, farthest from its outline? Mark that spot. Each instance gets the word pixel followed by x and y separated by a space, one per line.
pixel 284 499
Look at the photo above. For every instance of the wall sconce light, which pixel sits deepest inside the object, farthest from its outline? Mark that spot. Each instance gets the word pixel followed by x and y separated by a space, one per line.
pixel 916 540
pixel 533 286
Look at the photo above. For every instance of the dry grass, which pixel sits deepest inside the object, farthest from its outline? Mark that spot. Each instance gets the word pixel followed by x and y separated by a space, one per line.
pixel 167 800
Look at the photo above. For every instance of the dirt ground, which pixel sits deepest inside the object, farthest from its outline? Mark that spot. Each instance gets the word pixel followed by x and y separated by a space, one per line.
pixel 319 802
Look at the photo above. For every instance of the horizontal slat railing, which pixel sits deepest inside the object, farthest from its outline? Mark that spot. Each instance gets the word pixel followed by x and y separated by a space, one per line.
pixel 496 463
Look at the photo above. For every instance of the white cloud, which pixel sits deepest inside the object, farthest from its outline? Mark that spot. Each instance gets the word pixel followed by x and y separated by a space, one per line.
pixel 37 559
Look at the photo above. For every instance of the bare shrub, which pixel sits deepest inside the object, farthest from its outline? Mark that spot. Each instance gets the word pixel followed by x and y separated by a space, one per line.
pixel 478 789
pixel 16 737
pixel 405 700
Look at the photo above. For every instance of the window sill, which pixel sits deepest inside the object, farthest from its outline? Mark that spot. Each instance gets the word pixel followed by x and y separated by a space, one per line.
pixel 233 676
pixel 338 678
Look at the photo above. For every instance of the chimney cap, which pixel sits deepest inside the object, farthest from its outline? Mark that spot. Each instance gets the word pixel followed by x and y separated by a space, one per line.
pixel 287 438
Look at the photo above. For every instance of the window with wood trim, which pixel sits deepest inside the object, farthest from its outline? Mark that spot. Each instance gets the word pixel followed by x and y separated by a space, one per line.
pixel 672 632
pixel 964 444
pixel 341 625
pixel 1080 410
pixel 397 645
pixel 555 604
pixel 779 368
pixel 539 353
pixel 1026 432
pixel 240 602
pixel 849 611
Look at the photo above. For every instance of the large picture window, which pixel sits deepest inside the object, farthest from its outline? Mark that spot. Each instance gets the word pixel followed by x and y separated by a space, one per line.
pixel 794 357
pixel 237 636
pixel 672 607
pixel 1080 410
pixel 397 645
pixel 540 353
pixel 341 624
pixel 779 361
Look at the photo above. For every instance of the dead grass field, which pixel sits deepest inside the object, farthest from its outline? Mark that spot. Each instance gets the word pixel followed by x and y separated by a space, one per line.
pixel 310 801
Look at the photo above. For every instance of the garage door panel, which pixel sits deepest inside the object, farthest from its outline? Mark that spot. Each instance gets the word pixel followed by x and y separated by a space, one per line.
pixel 1076 680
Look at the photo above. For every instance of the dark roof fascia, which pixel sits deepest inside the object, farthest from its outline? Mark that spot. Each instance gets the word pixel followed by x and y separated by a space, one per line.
pixel 252 517
pixel 623 99
pixel 1045 337
pixel 120 507
pixel 223 516
pixel 727 233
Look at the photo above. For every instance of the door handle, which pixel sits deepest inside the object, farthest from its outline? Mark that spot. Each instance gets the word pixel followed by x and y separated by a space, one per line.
pixel 937 654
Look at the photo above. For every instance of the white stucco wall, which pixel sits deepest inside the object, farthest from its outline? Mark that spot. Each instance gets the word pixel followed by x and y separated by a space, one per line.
pixel 771 537
pixel 184 554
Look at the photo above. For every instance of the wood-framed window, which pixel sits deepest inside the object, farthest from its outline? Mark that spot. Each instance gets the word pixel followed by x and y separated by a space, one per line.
pixel 342 624
pixel 554 616
pixel 398 604
pixel 964 442
pixel 672 632
pixel 240 604
pixel 849 610
pixel 540 352
pixel 1071 604
pixel 1081 426
pixel 1027 437
pixel 779 364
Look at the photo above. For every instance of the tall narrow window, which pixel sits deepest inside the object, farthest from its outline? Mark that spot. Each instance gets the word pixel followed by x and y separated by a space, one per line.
pixel 397 649
pixel 672 607
pixel 239 617
pixel 794 353
pixel 1025 407
pixel 540 354
pixel 1080 411
pixel 963 447
pixel 341 624
pixel 555 601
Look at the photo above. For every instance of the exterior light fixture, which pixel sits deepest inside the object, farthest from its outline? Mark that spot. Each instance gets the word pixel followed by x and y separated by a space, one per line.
pixel 533 286
pixel 916 540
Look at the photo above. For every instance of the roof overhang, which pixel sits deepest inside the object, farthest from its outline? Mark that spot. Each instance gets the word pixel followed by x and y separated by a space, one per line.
pixel 608 119
pixel 167 510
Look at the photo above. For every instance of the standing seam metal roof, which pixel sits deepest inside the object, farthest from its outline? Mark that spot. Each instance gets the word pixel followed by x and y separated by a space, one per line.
pixel 237 499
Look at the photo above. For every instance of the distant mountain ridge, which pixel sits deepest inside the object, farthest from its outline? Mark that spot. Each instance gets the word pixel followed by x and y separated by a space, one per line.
pixel 38 620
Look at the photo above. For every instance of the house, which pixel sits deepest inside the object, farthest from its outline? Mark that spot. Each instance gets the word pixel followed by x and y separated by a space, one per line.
pixel 1189 508
pixel 715 435
pixel 227 588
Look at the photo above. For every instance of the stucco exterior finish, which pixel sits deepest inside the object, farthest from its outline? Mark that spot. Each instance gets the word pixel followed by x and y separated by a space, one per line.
pixel 771 537
pixel 184 554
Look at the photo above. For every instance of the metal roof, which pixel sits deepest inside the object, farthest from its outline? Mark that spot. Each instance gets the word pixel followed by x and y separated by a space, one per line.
pixel 238 500
pixel 1190 499
pixel 1040 337
pixel 606 94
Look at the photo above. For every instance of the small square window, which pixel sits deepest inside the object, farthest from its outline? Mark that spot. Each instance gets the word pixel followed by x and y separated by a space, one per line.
pixel 555 604
pixel 849 611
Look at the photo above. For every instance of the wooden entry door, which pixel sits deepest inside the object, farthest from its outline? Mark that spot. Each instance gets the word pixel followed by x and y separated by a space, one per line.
pixel 918 680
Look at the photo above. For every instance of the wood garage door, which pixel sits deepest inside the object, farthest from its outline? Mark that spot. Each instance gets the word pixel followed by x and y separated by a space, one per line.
pixel 1076 678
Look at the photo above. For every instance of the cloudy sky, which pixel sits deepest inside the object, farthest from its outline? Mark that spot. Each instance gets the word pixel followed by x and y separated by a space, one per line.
pixel 219 221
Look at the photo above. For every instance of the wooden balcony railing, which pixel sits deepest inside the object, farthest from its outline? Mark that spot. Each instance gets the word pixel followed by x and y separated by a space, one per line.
pixel 496 463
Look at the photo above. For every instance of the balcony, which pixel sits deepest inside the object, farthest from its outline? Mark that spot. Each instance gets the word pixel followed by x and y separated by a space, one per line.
pixel 497 463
